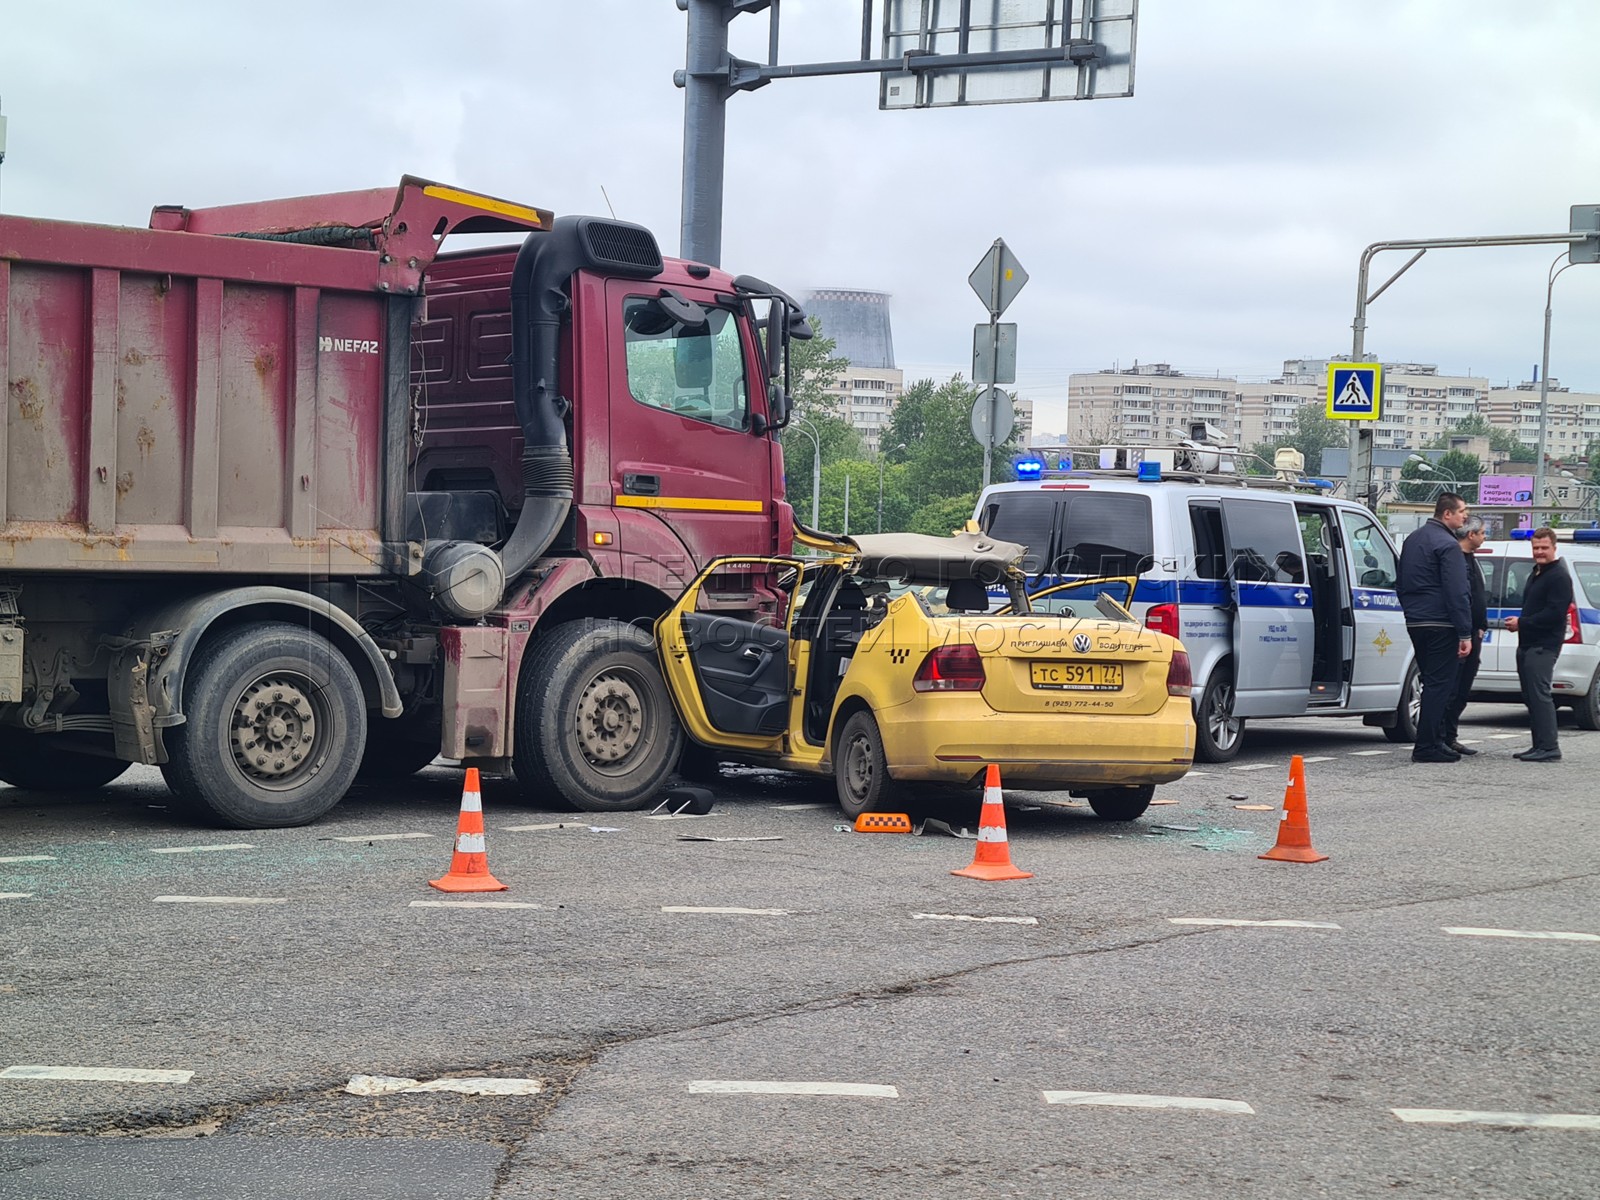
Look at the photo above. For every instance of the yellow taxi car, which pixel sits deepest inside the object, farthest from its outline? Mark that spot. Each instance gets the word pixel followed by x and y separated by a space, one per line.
pixel 881 664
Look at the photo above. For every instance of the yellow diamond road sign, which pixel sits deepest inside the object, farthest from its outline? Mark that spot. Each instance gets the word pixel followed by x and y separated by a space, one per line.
pixel 1355 391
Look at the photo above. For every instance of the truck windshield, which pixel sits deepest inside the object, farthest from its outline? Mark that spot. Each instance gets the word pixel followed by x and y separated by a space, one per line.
pixel 696 371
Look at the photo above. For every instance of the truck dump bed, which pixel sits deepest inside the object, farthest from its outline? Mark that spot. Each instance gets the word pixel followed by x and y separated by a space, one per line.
pixel 220 392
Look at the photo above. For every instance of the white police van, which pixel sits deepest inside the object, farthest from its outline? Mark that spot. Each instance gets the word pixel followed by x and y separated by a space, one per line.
pixel 1506 566
pixel 1283 596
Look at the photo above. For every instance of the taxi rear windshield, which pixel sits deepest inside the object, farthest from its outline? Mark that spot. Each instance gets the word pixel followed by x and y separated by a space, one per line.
pixel 1074 533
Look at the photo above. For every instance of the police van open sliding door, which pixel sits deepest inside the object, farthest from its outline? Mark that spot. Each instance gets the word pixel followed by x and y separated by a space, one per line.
pixel 1382 649
pixel 1274 627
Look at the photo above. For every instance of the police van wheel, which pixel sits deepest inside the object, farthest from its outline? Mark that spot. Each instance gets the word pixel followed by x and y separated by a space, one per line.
pixel 1406 712
pixel 1587 706
pixel 1218 734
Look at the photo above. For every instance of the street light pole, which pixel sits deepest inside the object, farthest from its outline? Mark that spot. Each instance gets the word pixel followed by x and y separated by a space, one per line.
pixel 1539 483
pixel 816 465
pixel 883 457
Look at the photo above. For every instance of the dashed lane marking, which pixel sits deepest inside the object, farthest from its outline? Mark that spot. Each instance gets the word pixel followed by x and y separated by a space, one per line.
pixel 202 849
pixel 799 807
pixel 15 895
pixel 1514 1120
pixel 969 917
pixel 1136 1100
pixel 1500 737
pixel 382 837
pixel 1535 934
pixel 472 904
pixel 1368 753
pixel 97 1074
pixel 29 858
pixel 736 912
pixel 546 825
pixel 1256 767
pixel 478 1085
pixel 218 900
pixel 1256 925
pixel 790 1087
pixel 1318 758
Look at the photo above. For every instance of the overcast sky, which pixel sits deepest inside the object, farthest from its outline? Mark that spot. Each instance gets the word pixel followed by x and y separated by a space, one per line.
pixel 1214 220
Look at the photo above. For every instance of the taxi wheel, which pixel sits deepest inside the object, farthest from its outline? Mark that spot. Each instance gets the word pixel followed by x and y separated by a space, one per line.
pixel 860 770
pixel 1121 804
pixel 1218 734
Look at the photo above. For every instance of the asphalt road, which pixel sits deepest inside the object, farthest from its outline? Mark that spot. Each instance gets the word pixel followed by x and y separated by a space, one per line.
pixel 1080 1041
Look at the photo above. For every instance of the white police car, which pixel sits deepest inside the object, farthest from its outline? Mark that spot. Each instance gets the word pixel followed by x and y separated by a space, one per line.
pixel 1283 596
pixel 1506 566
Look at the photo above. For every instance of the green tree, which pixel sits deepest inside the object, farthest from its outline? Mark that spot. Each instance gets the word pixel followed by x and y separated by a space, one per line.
pixel 863 474
pixel 934 423
pixel 1457 465
pixel 813 368
pixel 1311 434
pixel 942 517
pixel 1501 440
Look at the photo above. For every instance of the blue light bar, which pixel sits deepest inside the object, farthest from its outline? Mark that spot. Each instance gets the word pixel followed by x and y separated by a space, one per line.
pixel 1028 468
pixel 1149 472
pixel 1522 535
pixel 1586 535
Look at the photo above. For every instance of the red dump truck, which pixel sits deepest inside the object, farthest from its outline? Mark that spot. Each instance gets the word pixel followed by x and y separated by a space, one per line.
pixel 289 495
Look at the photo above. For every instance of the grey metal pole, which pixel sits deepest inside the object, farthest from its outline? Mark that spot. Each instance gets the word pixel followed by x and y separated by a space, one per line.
pixel 880 490
pixel 847 503
pixel 816 482
pixel 1539 497
pixel 705 119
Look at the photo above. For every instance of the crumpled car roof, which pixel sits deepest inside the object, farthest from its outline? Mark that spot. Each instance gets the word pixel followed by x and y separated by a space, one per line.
pixel 923 558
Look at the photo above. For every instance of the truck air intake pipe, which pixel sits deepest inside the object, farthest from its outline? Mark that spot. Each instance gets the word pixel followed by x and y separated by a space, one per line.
pixel 545 264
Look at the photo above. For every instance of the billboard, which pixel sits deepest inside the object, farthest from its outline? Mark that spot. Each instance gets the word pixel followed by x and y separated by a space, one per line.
pixel 1505 489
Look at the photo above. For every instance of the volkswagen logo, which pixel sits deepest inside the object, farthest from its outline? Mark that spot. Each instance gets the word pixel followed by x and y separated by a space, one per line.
pixel 1081 643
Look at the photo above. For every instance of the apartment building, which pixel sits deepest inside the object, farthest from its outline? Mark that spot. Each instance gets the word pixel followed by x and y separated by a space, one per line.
pixel 1147 404
pixel 1573 422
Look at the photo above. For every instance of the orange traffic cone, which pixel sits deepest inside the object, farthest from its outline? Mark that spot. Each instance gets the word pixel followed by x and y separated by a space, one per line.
pixel 1294 827
pixel 991 859
pixel 469 866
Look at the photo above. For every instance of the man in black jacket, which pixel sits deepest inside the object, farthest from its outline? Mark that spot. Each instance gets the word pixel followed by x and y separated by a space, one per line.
pixel 1433 595
pixel 1540 630
pixel 1470 538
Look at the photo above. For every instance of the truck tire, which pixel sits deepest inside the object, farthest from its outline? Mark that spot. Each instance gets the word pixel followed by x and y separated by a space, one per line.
pixel 860 770
pixel 1218 734
pixel 1407 711
pixel 595 724
pixel 1122 803
pixel 28 760
pixel 396 750
pixel 275 726
pixel 1587 706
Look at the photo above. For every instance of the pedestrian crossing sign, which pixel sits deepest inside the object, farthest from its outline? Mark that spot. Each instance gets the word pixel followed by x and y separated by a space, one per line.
pixel 1355 391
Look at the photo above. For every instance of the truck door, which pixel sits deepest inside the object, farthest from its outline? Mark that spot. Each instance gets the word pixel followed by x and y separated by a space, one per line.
pixel 1274 629
pixel 727 655
pixel 684 440
pixel 1382 648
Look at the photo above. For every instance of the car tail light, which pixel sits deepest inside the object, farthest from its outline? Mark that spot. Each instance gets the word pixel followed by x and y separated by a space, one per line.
pixel 1180 680
pixel 1163 618
pixel 950 669
pixel 1574 627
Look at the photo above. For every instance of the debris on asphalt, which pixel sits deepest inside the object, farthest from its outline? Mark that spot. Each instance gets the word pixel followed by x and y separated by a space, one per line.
pixel 695 837
pixel 934 825
pixel 1238 796
pixel 1255 807
pixel 1178 828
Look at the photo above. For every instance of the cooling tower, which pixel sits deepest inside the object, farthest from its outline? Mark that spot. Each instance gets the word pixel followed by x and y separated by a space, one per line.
pixel 857 321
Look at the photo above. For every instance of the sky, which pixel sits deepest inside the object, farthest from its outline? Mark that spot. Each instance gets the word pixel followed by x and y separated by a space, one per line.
pixel 1214 220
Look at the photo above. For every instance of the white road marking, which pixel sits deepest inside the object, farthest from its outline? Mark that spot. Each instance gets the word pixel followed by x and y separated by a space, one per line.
pixel 201 849
pixel 1453 1116
pixel 15 895
pixel 1260 925
pixel 1256 767
pixel 1197 774
pixel 1469 741
pixel 738 912
pixel 218 900
pixel 968 917
pixel 1368 753
pixel 29 858
pixel 1136 1100
pixel 472 904
pixel 479 1085
pixel 382 837
pixel 1318 758
pixel 536 828
pixel 811 807
pixel 1500 737
pixel 786 1087
pixel 97 1074
pixel 1537 934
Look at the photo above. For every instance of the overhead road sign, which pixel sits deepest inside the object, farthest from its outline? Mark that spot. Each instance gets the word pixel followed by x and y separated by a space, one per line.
pixel 1585 219
pixel 1355 391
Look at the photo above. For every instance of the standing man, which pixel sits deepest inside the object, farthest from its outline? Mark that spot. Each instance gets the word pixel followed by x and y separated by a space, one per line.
pixel 1470 538
pixel 1540 630
pixel 1433 595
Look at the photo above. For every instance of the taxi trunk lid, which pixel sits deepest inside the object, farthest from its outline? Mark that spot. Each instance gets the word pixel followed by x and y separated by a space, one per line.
pixel 1035 663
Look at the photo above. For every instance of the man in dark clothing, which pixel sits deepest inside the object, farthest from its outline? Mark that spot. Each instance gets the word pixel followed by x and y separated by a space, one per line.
pixel 1540 630
pixel 1470 538
pixel 1433 595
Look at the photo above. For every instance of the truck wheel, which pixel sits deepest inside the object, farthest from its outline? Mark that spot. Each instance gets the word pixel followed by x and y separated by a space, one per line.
pixel 275 724
pixel 1407 712
pixel 393 753
pixel 28 760
pixel 595 724
pixel 860 770
pixel 1121 804
pixel 1587 707
pixel 1218 734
